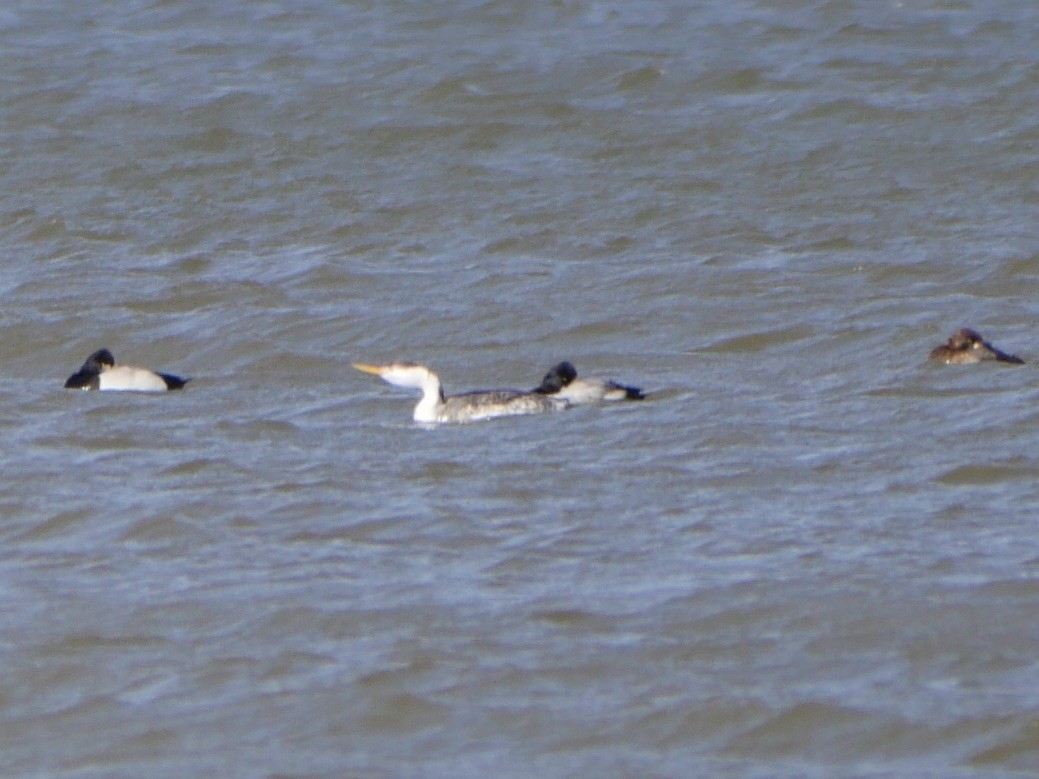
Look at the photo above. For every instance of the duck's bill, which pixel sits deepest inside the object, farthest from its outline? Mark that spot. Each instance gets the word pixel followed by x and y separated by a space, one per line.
pixel 375 370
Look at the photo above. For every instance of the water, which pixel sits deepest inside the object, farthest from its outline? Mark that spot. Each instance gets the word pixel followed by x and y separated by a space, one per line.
pixel 808 553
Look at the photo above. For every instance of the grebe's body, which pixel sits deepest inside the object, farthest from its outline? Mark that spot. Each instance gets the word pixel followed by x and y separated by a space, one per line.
pixel 100 372
pixel 435 406
pixel 967 347
pixel 562 382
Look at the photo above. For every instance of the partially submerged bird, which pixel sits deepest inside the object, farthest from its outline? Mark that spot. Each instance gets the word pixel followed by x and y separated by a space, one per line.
pixel 966 347
pixel 562 382
pixel 435 406
pixel 100 372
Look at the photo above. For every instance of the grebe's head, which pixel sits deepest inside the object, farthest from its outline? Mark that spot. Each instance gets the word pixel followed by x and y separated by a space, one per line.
pixel 401 374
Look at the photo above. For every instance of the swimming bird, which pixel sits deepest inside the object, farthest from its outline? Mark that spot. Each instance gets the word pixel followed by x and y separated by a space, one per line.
pixel 435 406
pixel 562 382
pixel 966 347
pixel 100 372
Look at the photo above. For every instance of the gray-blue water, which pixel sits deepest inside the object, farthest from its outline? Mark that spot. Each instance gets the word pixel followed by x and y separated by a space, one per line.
pixel 808 553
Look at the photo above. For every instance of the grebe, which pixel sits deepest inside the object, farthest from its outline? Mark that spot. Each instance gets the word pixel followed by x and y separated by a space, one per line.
pixel 562 382
pixel 967 346
pixel 100 372
pixel 466 407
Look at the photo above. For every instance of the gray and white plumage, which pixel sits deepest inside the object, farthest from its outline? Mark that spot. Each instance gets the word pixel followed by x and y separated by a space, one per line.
pixel 435 406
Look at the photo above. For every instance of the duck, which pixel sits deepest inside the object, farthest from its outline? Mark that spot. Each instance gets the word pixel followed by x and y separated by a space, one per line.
pixel 100 372
pixel 437 407
pixel 966 347
pixel 561 381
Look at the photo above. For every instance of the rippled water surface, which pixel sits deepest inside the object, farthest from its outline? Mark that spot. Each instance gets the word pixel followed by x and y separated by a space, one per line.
pixel 808 553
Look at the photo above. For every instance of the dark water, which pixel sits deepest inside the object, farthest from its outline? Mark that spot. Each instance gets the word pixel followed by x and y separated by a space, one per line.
pixel 809 553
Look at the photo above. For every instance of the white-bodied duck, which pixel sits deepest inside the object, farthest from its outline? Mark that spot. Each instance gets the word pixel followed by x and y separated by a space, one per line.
pixel 562 382
pixel 100 372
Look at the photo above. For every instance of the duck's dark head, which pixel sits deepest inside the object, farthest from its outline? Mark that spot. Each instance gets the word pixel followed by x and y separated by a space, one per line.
pixel 87 375
pixel 99 360
pixel 557 378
